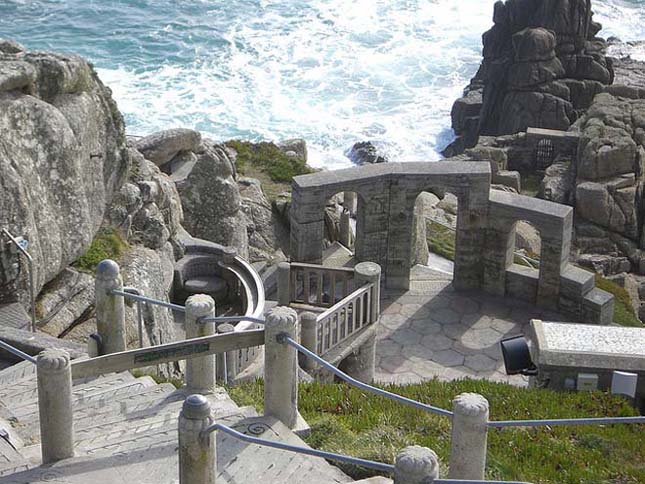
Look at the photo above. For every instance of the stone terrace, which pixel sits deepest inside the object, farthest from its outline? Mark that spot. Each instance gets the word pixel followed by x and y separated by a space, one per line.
pixel 433 331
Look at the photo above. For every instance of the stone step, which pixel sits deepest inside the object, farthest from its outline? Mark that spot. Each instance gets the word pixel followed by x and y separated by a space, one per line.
pixel 9 456
pixel 153 460
pixel 17 372
pixel 92 394
pixel 94 414
pixel 26 391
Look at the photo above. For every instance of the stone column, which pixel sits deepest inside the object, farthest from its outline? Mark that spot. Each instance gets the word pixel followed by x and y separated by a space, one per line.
pixel 281 367
pixel 197 458
pixel 362 364
pixel 345 230
pixel 226 363
pixel 416 465
pixel 469 435
pixel 110 310
pixel 284 284
pixel 54 377
pixel 370 273
pixel 200 371
pixel 308 339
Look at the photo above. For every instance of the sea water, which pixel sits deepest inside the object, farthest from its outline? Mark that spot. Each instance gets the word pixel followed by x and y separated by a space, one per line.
pixel 331 71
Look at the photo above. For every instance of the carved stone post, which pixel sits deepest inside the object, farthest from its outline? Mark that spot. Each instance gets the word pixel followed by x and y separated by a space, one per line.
pixel 281 367
pixel 469 436
pixel 54 377
pixel 284 284
pixel 416 465
pixel 200 371
pixel 226 363
pixel 308 339
pixel 197 454
pixel 110 309
pixel 370 272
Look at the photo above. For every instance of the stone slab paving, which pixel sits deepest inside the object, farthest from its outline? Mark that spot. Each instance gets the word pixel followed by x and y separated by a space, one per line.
pixel 433 331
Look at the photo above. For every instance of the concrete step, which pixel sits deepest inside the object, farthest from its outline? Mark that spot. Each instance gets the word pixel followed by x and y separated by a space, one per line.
pixel 92 394
pixel 152 459
pixel 9 455
pixel 17 372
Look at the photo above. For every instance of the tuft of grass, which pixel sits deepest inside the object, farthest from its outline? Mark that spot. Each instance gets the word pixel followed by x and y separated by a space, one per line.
pixel 624 313
pixel 268 158
pixel 349 421
pixel 107 244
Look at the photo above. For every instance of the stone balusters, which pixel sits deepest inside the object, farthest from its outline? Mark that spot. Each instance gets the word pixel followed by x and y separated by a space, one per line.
pixel 197 457
pixel 200 371
pixel 110 309
pixel 370 273
pixel 54 380
pixel 226 363
pixel 281 366
pixel 469 436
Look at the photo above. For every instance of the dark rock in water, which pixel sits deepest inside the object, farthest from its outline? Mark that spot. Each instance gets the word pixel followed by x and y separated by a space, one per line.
pixel 542 66
pixel 365 152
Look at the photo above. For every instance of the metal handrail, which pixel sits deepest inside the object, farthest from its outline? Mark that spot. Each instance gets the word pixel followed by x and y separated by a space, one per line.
pixel 174 307
pixel 32 284
pixel 567 421
pixel 379 466
pixel 285 339
pixel 229 319
pixel 17 352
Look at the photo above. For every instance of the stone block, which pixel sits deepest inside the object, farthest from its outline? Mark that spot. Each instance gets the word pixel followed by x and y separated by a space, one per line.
pixel 522 283
pixel 598 307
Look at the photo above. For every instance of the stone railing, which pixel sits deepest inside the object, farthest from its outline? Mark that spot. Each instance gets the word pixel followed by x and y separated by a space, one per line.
pixel 313 284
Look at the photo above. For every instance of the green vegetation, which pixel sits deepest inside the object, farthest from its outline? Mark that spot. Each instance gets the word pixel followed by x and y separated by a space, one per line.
pixel 441 240
pixel 267 157
pixel 107 244
pixel 530 183
pixel 624 313
pixel 349 421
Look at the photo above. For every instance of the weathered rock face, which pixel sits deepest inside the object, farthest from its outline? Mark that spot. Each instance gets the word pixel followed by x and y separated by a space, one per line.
pixel 542 65
pixel 63 157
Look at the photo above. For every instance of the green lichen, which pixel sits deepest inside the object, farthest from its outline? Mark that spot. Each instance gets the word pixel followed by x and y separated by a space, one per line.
pixel 624 313
pixel 107 244
pixel 268 158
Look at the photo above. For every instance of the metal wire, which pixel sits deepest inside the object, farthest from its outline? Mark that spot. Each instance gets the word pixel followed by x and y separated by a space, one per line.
pixel 229 319
pixel 17 352
pixel 379 466
pixel 567 421
pixel 363 386
pixel 174 307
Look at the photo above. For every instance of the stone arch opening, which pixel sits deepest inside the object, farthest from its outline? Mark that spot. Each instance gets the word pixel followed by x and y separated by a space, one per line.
pixel 434 232
pixel 341 222
pixel 523 261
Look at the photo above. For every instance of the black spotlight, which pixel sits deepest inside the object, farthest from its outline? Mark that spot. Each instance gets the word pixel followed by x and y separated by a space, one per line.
pixel 517 357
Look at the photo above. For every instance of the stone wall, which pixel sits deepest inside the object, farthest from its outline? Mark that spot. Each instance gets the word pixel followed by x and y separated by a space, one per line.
pixel 486 232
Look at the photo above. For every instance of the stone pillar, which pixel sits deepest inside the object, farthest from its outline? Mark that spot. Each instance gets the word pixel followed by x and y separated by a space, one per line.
pixel 416 465
pixel 200 371
pixel 110 310
pixel 350 202
pixel 370 273
pixel 308 339
pixel 284 284
pixel 197 458
pixel 469 435
pixel 362 364
pixel 226 363
pixel 281 367
pixel 307 223
pixel 54 377
pixel 345 230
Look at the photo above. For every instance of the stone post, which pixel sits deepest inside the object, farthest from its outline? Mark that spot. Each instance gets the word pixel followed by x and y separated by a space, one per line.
pixel 54 377
pixel 416 465
pixel 469 435
pixel 226 363
pixel 110 309
pixel 308 339
pixel 350 202
pixel 281 367
pixel 284 284
pixel 362 363
pixel 370 273
pixel 200 371
pixel 197 458
pixel 345 229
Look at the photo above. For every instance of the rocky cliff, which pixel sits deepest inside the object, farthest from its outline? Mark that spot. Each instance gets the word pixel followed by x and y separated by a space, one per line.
pixel 542 65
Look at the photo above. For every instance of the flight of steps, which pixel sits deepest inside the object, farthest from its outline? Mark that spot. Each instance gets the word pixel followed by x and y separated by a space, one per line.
pixel 126 433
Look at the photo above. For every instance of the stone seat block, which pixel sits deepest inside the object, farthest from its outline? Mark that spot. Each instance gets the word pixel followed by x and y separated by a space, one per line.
pixel 576 282
pixel 598 307
pixel 522 282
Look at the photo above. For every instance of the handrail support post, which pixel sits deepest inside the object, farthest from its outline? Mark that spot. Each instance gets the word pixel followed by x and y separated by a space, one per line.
pixel 469 436
pixel 197 451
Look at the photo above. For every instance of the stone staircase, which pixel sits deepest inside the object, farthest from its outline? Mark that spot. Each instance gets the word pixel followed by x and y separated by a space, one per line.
pixel 126 433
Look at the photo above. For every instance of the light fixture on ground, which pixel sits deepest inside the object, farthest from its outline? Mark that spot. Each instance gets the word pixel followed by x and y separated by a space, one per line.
pixel 517 357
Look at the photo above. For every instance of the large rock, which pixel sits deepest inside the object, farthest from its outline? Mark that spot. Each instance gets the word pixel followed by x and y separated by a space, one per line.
pixel 63 157
pixel 211 200
pixel 163 146
pixel 558 183
pixel 366 152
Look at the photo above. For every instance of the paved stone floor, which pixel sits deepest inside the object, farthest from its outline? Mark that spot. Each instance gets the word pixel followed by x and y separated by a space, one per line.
pixel 433 331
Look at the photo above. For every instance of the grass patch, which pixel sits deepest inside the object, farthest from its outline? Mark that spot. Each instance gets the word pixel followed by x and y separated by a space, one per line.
pixel 530 184
pixel 268 158
pixel 349 421
pixel 107 244
pixel 441 240
pixel 624 313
